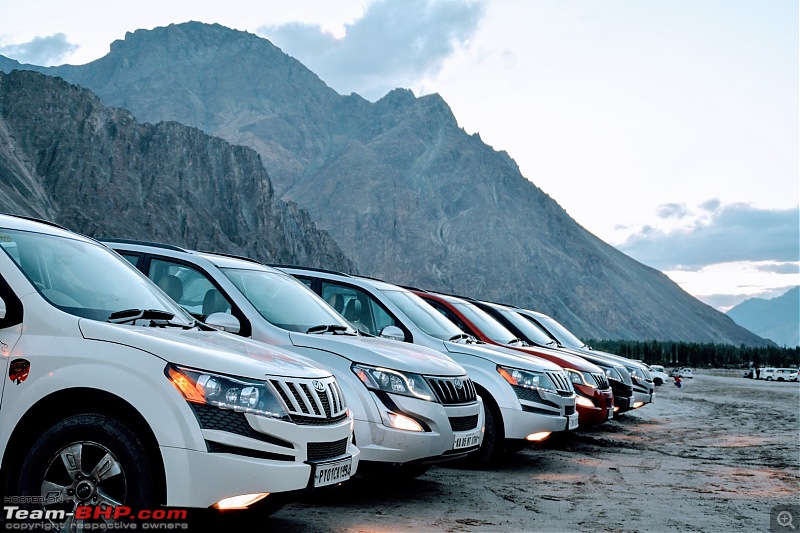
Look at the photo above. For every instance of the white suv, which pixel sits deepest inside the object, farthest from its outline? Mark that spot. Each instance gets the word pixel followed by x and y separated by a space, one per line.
pixel 115 396
pixel 412 406
pixel 526 398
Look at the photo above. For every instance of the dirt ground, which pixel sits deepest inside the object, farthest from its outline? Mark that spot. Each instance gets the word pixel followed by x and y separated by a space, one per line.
pixel 716 455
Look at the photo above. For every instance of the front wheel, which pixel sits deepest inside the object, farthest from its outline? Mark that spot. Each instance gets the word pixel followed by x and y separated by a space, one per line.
pixel 88 459
pixel 493 437
pixel 769 378
pixel 658 381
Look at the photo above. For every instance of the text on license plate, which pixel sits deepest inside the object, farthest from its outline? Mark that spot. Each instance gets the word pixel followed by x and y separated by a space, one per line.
pixel 331 473
pixel 610 413
pixel 572 422
pixel 467 441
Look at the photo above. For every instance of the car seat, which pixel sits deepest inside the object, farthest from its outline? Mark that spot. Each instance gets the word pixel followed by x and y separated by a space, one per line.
pixel 337 302
pixel 214 302
pixel 172 285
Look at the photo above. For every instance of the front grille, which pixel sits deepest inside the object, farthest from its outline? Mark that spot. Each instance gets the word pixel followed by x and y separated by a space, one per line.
pixel 451 391
pixel 601 381
pixel 463 423
pixel 311 401
pixel 319 451
pixel 211 417
pixel 562 383
pixel 569 410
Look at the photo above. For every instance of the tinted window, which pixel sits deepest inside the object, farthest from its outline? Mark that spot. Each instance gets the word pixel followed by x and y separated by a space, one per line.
pixel 189 287
pixel 358 307
pixel 423 315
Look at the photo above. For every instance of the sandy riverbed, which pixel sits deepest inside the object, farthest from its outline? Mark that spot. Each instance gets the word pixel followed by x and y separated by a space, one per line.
pixel 716 455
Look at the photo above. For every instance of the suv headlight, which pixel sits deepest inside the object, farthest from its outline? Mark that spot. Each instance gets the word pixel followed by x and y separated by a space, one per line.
pixel 581 378
pixel 393 381
pixel 526 379
pixel 226 392
pixel 612 373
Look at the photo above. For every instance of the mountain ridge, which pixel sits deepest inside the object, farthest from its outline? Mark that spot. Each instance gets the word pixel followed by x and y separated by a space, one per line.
pixel 405 192
pixel 66 157
pixel 777 319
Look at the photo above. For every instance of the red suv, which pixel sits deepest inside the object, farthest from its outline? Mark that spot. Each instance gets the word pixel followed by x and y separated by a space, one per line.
pixel 595 402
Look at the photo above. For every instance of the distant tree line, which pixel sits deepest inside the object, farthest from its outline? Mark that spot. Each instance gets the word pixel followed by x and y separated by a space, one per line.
pixel 697 354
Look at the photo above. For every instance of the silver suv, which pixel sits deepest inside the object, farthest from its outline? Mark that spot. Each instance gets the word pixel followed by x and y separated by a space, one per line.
pixel 412 406
pixel 525 398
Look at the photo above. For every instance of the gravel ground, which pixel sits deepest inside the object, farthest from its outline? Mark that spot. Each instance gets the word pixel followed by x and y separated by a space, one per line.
pixel 715 455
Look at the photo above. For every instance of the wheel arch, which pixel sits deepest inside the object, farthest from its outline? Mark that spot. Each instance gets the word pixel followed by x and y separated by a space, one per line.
pixel 67 402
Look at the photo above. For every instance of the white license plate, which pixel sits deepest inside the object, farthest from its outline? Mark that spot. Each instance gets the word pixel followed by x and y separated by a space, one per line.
pixel 610 413
pixel 467 440
pixel 332 473
pixel 572 422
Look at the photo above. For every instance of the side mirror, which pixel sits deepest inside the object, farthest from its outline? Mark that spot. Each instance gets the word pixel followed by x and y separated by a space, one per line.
pixel 2 309
pixel 223 322
pixel 394 333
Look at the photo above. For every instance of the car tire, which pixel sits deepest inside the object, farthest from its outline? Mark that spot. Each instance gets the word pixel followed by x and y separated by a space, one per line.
pixel 769 378
pixel 658 382
pixel 493 437
pixel 90 459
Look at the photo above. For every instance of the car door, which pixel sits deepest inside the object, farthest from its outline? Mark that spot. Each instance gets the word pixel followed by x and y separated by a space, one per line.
pixel 10 327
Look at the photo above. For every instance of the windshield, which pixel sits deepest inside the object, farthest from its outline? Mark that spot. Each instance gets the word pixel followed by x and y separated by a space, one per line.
pixel 532 332
pixel 423 315
pixel 83 278
pixel 284 301
pixel 484 322
pixel 561 333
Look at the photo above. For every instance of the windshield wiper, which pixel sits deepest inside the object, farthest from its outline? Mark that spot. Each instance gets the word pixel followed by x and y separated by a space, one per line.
pixel 517 342
pixel 328 328
pixel 132 315
pixel 464 338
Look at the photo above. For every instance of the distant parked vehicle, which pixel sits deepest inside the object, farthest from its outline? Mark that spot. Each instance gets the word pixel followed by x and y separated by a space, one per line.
pixel 681 372
pixel 658 374
pixel 779 374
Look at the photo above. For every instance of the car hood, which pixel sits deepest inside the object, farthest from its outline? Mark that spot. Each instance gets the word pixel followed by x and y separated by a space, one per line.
pixel 502 356
pixel 214 351
pixel 560 358
pixel 382 352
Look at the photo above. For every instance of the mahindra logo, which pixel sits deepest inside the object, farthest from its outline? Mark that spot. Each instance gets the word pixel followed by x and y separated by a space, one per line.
pixel 318 386
pixel 457 382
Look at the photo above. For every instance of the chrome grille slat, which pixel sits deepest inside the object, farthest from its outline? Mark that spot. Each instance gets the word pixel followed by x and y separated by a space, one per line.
pixel 560 380
pixel 306 404
pixel 447 393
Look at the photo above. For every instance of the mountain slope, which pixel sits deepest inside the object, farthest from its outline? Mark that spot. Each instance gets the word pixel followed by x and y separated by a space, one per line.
pixel 66 157
pixel 777 319
pixel 404 191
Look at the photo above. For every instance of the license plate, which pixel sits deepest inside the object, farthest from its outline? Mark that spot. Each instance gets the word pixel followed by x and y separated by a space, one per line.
pixel 610 413
pixel 332 473
pixel 467 440
pixel 572 422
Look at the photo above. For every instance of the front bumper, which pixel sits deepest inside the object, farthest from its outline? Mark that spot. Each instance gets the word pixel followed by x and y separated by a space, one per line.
pixel 275 461
pixel 602 409
pixel 540 410
pixel 446 426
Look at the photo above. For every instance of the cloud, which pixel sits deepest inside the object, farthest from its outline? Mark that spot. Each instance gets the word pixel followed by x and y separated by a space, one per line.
pixel 780 268
pixel 43 51
pixel 394 43
pixel 735 232
pixel 711 205
pixel 672 211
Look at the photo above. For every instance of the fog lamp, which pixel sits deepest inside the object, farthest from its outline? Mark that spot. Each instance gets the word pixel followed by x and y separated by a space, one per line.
pixel 538 437
pixel 637 405
pixel 404 422
pixel 584 401
pixel 240 502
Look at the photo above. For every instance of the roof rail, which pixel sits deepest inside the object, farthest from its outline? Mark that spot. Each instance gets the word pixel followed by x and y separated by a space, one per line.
pixel 144 243
pixel 234 256
pixel 312 269
pixel 39 220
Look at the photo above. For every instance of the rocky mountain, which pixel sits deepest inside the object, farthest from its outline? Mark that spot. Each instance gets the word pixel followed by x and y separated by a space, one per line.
pixel 406 193
pixel 777 318
pixel 66 157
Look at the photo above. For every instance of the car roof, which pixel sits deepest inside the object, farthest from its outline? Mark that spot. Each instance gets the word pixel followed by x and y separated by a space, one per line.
pixel 36 225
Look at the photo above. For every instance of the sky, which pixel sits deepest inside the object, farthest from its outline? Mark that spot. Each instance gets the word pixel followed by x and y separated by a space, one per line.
pixel 668 128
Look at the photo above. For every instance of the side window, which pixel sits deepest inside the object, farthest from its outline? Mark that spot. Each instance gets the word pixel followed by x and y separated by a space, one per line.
pixel 307 282
pixel 189 287
pixel 452 317
pixel 358 307
pixel 131 258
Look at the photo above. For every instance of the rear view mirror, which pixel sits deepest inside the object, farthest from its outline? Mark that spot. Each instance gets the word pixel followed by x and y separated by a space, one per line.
pixel 2 309
pixel 224 322
pixel 394 333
